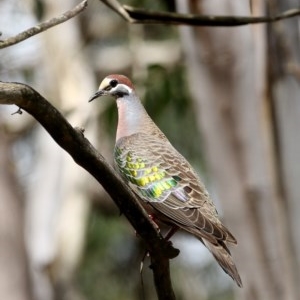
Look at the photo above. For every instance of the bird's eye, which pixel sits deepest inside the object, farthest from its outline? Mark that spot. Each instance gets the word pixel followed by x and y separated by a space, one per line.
pixel 113 83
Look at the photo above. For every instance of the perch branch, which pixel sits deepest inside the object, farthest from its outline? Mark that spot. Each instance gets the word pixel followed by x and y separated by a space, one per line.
pixel 138 15
pixel 85 155
pixel 43 26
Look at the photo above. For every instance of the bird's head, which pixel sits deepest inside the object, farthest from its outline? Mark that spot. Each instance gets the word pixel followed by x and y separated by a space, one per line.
pixel 114 85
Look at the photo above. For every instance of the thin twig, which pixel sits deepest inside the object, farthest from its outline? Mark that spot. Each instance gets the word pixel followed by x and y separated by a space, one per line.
pixel 141 16
pixel 144 16
pixel 119 9
pixel 44 26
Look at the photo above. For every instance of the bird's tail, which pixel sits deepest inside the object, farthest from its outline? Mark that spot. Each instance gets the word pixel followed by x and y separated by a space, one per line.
pixel 223 257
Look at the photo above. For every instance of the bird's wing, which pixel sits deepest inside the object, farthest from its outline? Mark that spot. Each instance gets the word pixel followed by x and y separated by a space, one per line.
pixel 161 176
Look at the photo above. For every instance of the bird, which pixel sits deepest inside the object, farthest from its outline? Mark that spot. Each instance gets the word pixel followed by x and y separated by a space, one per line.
pixel 166 184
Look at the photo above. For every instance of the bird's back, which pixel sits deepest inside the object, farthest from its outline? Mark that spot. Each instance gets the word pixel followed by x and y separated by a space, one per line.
pixel 161 176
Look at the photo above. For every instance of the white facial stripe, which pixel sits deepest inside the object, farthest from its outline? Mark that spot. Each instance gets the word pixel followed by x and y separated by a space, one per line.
pixel 122 86
pixel 106 82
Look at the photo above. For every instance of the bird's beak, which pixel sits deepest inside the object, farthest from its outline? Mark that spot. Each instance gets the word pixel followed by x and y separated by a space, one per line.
pixel 97 95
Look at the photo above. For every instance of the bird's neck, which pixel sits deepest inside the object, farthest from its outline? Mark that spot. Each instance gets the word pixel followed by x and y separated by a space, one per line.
pixel 132 117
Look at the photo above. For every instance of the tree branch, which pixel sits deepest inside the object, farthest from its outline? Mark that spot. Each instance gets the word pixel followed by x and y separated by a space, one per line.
pixel 43 26
pixel 119 9
pixel 141 16
pixel 85 155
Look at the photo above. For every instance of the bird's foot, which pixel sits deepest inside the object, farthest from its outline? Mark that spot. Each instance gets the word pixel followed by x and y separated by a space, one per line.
pixel 153 218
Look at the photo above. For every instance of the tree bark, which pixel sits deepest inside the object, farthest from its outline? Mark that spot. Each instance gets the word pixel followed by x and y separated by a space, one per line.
pixel 57 209
pixel 227 76
pixel 14 276
pixel 284 70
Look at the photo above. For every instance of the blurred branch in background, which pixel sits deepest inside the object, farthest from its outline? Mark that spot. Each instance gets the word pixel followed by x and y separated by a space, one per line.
pixel 43 26
pixel 156 17
pixel 142 16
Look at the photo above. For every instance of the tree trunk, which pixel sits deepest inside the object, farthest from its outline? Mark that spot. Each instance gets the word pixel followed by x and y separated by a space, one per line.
pixel 227 76
pixel 14 279
pixel 284 64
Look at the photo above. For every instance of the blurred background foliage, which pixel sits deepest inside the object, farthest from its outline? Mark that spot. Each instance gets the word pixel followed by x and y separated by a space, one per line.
pixel 76 243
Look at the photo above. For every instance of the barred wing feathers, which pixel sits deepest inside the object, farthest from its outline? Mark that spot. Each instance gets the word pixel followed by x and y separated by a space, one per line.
pixel 159 175
pixel 162 177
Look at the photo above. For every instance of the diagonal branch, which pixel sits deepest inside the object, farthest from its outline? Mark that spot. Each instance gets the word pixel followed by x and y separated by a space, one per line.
pixel 43 26
pixel 85 155
pixel 141 16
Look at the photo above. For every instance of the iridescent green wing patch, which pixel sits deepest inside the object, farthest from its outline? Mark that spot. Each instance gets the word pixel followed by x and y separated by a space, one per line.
pixel 150 180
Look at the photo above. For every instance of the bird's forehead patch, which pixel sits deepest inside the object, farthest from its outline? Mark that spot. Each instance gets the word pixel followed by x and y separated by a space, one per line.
pixel 105 82
pixel 121 80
